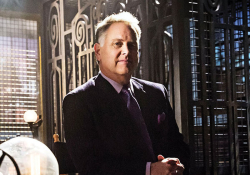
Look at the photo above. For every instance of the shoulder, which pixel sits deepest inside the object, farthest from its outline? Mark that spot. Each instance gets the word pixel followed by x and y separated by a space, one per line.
pixel 150 87
pixel 85 89
pixel 149 84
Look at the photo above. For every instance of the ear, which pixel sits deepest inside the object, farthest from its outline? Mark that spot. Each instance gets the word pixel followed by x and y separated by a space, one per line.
pixel 97 49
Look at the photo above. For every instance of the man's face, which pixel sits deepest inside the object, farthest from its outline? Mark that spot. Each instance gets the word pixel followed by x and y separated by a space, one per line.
pixel 119 54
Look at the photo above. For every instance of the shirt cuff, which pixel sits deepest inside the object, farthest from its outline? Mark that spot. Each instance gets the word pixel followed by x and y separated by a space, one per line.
pixel 148 168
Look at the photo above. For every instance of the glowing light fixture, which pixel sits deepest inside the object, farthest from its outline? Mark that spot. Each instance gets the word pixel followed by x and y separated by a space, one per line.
pixel 34 122
pixel 30 116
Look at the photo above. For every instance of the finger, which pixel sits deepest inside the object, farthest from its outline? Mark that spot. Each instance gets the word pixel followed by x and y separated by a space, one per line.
pixel 180 167
pixel 160 157
pixel 173 160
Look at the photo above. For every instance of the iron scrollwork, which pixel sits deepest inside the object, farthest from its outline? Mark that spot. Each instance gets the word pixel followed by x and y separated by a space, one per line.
pixel 80 30
pixel 54 25
pixel 213 6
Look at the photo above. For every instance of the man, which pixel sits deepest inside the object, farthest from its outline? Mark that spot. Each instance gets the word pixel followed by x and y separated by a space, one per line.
pixel 117 124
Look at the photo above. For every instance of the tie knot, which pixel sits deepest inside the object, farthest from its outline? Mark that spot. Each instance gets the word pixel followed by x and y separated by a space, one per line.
pixel 125 89
pixel 125 93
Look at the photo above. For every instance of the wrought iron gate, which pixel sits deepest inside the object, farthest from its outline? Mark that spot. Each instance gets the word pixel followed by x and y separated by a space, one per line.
pixel 219 128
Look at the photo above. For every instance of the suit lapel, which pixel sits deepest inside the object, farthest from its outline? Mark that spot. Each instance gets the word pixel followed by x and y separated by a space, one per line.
pixel 112 119
pixel 140 96
pixel 143 101
pixel 119 123
pixel 109 99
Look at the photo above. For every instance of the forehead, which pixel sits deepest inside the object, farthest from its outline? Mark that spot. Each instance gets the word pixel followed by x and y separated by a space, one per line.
pixel 120 30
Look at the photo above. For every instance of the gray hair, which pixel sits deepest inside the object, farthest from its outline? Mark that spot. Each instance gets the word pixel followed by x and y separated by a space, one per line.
pixel 125 17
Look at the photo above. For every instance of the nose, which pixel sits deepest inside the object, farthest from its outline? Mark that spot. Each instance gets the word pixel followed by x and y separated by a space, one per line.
pixel 125 50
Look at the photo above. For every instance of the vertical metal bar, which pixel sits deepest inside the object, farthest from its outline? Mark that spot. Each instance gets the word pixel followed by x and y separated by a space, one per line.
pixel 246 63
pixel 161 71
pixel 144 40
pixel 79 57
pixel 234 104
pixel 40 110
pixel 88 67
pixel 182 63
pixel 229 92
pixel 229 99
pixel 203 83
pixel 74 77
pixel 233 10
pixel 176 60
pixel 191 118
pixel 171 75
pixel 55 100
pixel 48 123
pixel 79 5
pixel 214 100
pixel 231 138
pixel 92 64
pixel 62 46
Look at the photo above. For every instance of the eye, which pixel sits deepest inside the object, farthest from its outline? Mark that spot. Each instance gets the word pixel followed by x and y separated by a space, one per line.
pixel 118 44
pixel 132 45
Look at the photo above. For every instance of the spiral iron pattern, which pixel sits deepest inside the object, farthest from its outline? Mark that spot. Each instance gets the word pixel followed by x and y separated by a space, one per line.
pixel 80 32
pixel 212 6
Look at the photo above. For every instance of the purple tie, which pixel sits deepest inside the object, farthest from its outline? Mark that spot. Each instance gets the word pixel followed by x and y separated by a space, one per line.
pixel 135 111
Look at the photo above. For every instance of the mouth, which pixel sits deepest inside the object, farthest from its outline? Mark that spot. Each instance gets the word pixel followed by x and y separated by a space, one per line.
pixel 124 61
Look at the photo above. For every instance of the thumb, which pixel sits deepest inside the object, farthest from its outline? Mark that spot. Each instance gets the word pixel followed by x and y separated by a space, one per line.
pixel 160 157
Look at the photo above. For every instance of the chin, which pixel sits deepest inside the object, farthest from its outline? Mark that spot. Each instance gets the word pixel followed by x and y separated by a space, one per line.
pixel 124 72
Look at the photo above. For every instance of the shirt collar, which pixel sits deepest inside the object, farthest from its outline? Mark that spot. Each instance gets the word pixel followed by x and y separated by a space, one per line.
pixel 118 87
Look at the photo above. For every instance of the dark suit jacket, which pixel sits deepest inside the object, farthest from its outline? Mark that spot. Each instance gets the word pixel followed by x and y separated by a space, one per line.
pixel 101 136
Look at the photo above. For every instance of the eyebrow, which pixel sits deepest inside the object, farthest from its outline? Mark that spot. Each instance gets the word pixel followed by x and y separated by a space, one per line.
pixel 117 39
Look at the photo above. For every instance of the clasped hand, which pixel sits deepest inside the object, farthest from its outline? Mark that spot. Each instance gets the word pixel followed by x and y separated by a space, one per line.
pixel 167 166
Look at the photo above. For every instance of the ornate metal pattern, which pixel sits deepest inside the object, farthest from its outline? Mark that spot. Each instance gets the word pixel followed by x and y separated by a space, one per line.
pixel 213 6
pixel 54 25
pixel 55 63
pixel 220 77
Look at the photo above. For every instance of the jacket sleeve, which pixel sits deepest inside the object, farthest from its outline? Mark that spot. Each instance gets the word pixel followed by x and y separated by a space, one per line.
pixel 84 145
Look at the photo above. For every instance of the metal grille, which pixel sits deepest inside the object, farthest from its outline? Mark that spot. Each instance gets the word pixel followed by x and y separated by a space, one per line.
pixel 243 139
pixel 19 75
pixel 198 137
pixel 239 66
pixel 195 61
pixel 219 41
pixel 220 64
pixel 220 144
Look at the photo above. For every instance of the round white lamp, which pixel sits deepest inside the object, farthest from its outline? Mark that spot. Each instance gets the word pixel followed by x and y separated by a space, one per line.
pixel 30 116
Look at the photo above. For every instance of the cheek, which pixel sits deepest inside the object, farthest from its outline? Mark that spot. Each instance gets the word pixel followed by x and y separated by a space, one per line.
pixel 117 54
pixel 112 54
